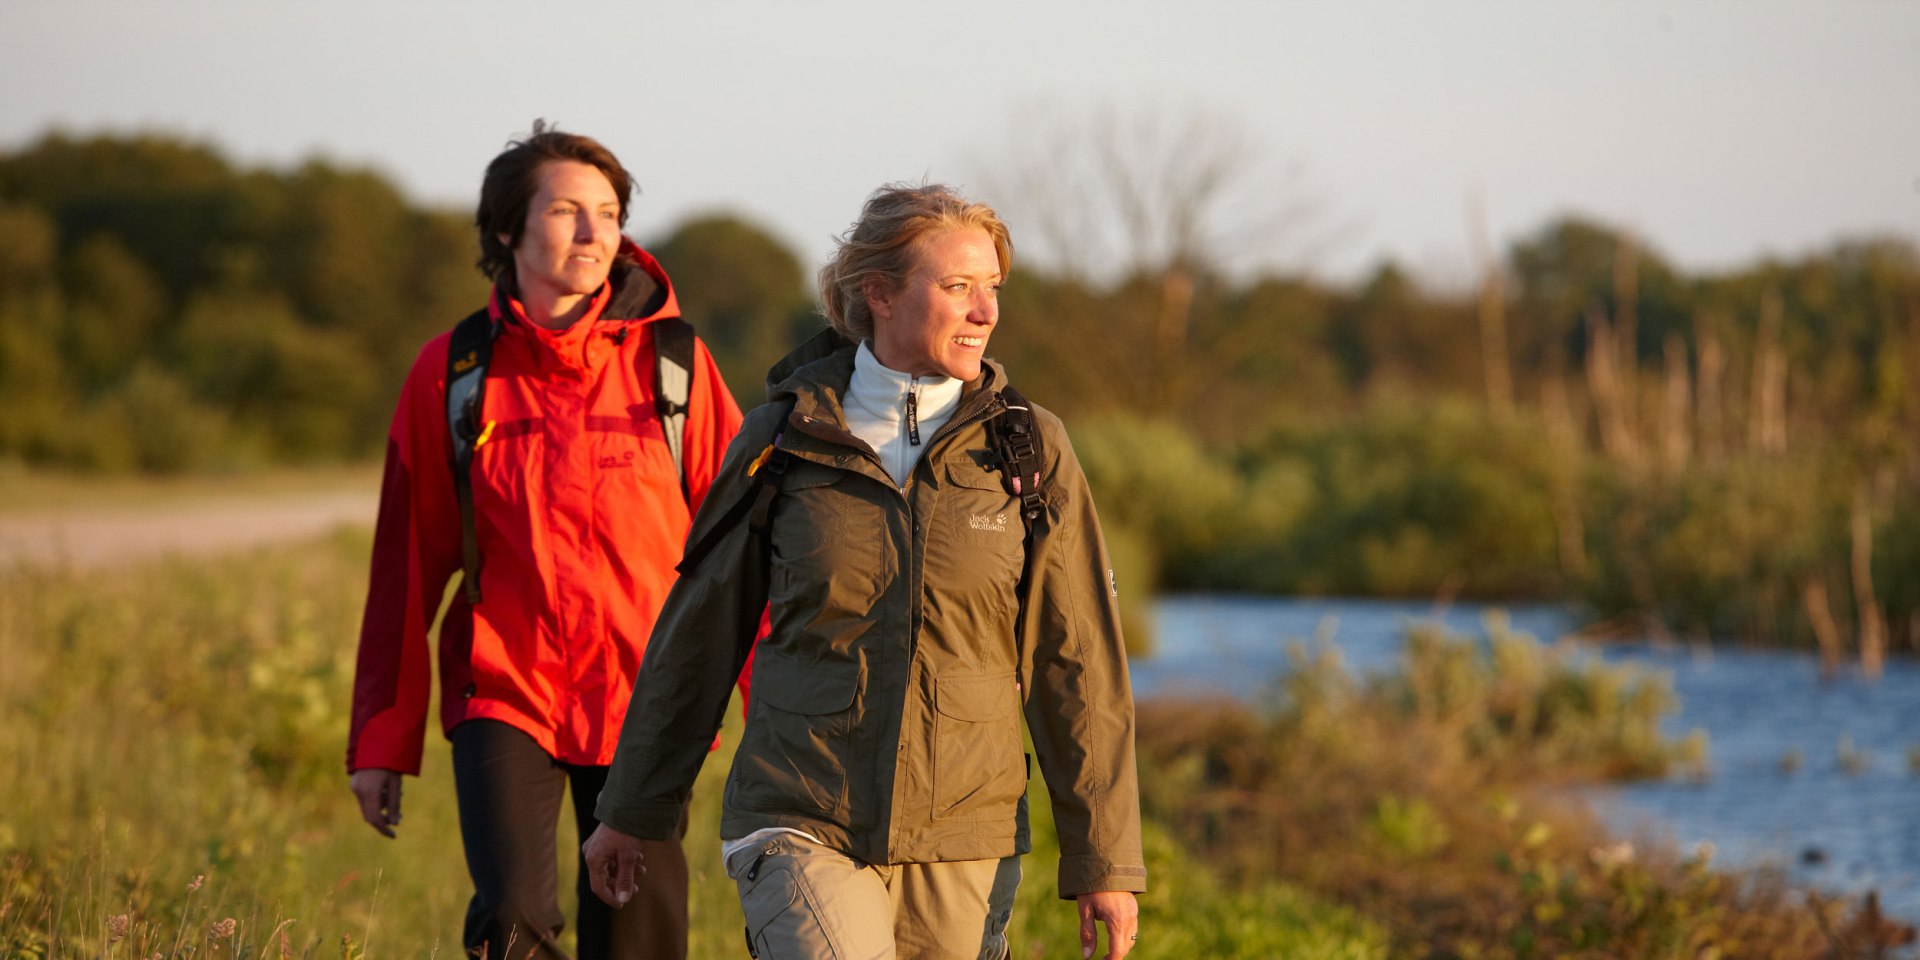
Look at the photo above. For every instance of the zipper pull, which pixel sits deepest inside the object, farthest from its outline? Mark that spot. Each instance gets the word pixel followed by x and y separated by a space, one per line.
pixel 913 412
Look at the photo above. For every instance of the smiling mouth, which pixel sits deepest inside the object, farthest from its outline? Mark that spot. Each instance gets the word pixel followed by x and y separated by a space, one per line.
pixel 970 341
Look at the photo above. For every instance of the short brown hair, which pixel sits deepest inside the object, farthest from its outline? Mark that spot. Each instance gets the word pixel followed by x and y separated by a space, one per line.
pixel 514 177
pixel 883 243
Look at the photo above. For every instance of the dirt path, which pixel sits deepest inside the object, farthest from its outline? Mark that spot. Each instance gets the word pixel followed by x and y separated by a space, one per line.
pixel 94 537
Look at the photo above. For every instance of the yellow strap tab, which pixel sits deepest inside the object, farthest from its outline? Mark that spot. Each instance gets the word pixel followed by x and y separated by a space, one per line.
pixel 484 435
pixel 754 467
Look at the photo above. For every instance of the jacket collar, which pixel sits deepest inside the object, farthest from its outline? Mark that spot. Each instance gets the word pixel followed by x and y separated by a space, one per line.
pixel 816 375
pixel 637 291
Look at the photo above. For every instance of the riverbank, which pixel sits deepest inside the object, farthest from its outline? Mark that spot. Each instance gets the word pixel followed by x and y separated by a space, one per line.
pixel 1441 796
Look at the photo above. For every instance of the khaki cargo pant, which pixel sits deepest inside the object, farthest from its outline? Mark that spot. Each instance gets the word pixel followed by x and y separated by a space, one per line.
pixel 805 901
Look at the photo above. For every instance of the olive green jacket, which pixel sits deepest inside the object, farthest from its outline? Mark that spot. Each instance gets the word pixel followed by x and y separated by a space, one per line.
pixel 910 631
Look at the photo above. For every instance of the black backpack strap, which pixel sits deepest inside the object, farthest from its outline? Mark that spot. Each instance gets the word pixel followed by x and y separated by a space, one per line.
pixel 673 383
pixel 468 353
pixel 756 505
pixel 1022 454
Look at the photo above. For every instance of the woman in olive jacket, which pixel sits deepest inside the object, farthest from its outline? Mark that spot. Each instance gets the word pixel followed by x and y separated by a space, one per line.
pixel 880 782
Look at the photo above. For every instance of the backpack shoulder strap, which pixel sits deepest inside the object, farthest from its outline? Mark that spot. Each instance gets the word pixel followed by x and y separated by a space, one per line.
pixel 1022 454
pixel 468 352
pixel 756 505
pixel 673 383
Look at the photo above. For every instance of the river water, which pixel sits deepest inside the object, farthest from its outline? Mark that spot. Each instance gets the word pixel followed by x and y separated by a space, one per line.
pixel 1819 779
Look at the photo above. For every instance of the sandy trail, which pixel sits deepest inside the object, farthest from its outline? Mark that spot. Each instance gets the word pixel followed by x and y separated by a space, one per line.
pixel 95 537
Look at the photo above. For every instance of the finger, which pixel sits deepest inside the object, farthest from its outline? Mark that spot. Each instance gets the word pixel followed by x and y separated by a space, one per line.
pixel 1088 936
pixel 1119 939
pixel 370 812
pixel 599 872
pixel 393 800
pixel 626 863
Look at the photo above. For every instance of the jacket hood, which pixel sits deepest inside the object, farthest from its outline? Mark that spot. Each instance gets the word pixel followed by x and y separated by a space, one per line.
pixel 641 290
pixel 805 368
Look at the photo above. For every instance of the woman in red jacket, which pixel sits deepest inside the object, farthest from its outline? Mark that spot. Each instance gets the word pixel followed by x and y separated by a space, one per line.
pixel 579 515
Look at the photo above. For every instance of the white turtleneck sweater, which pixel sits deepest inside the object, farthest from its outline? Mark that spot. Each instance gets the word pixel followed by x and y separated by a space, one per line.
pixel 897 413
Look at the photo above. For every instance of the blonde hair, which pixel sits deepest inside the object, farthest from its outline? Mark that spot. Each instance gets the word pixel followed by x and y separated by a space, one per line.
pixel 882 245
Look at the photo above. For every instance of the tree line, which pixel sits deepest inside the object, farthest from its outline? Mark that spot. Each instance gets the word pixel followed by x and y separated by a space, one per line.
pixel 1723 454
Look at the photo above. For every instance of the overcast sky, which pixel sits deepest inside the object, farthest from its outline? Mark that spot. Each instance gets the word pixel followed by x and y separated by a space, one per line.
pixel 1721 130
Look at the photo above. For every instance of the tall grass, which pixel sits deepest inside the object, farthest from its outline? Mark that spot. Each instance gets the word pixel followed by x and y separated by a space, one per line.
pixel 172 760
pixel 173 753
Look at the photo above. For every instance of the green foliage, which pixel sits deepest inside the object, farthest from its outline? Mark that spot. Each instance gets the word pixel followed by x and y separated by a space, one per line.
pixel 1188 911
pixel 1679 452
pixel 1719 551
pixel 270 316
pixel 1404 502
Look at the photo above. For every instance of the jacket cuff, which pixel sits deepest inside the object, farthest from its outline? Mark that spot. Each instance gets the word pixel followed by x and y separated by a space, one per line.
pixel 1086 874
pixel 387 742
pixel 647 821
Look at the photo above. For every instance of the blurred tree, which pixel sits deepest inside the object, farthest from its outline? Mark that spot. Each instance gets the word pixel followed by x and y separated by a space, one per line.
pixel 1139 218
pixel 114 304
pixel 1394 338
pixel 745 293
pixel 1572 266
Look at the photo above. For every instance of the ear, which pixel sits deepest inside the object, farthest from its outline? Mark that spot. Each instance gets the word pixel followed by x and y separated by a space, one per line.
pixel 879 297
pixel 506 239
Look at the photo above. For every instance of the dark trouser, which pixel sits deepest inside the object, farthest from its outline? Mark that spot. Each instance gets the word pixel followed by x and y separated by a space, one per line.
pixel 509 791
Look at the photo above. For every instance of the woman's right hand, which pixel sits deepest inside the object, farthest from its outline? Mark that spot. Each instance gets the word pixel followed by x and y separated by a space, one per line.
pixel 379 794
pixel 612 860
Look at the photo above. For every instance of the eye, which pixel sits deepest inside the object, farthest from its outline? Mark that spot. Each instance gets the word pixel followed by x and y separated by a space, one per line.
pixel 958 286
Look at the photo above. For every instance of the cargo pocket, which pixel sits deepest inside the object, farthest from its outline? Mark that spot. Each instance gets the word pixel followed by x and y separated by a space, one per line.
pixel 792 757
pixel 977 767
pixel 780 921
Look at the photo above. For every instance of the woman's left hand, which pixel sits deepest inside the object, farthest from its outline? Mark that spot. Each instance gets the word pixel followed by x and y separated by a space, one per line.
pixel 1119 911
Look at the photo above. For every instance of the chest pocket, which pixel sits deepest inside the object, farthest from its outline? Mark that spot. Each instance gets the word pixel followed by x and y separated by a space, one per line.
pixel 832 552
pixel 502 465
pixel 629 444
pixel 977 544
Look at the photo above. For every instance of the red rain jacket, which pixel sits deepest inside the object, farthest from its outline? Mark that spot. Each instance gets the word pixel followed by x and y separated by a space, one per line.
pixel 580 518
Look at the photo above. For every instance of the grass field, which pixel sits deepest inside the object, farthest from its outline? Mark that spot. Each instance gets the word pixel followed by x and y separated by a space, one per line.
pixel 173 745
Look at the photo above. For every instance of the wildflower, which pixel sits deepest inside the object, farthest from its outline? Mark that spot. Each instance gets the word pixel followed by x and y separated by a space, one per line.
pixel 1612 855
pixel 198 879
pixel 221 930
pixel 280 933
pixel 117 927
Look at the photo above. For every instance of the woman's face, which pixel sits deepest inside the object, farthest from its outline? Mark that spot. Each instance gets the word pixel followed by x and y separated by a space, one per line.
pixel 572 234
pixel 938 320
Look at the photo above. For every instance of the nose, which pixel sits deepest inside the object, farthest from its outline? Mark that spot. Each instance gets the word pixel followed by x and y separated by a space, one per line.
pixel 583 227
pixel 986 308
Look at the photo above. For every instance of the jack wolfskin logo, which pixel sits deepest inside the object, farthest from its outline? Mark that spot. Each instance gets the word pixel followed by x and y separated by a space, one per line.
pixel 467 362
pixel 980 521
